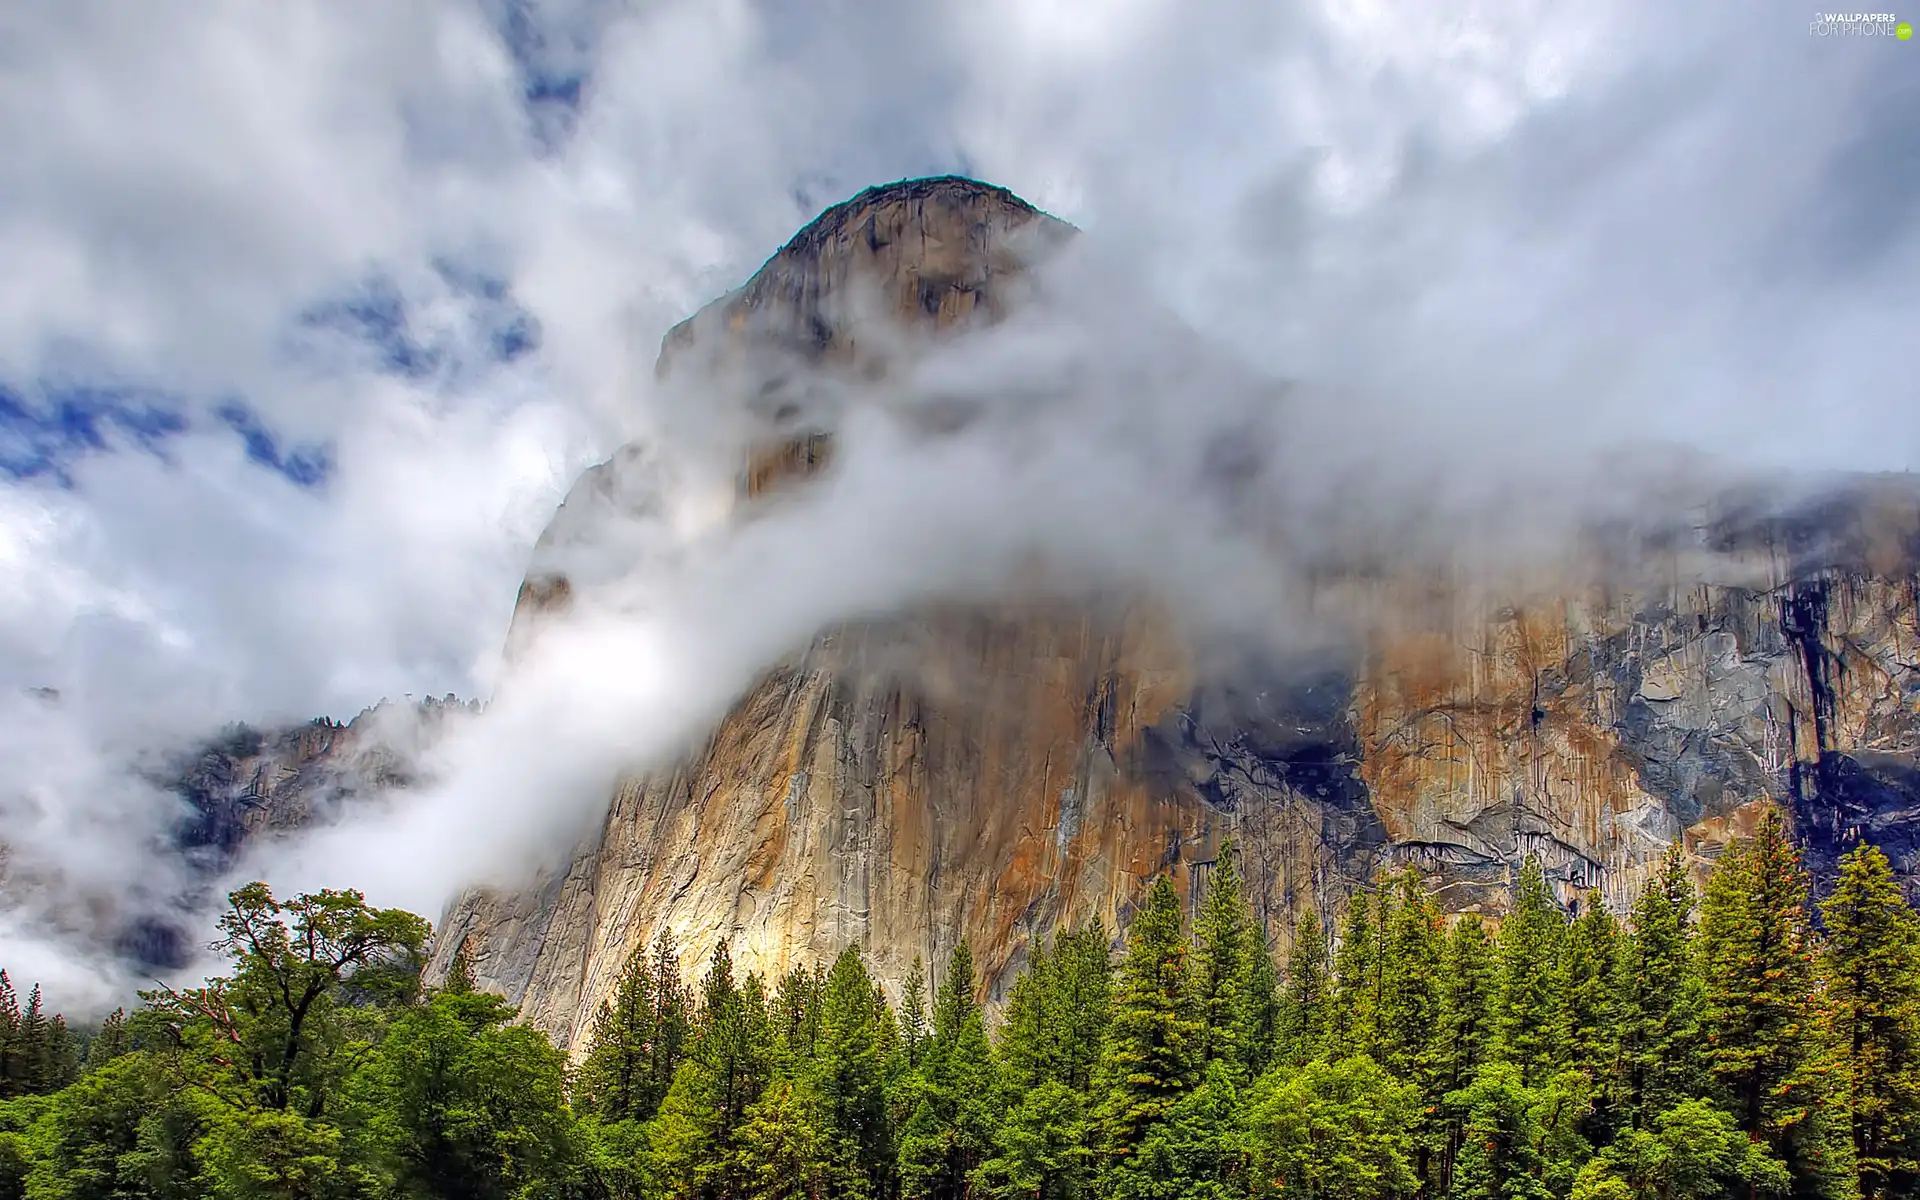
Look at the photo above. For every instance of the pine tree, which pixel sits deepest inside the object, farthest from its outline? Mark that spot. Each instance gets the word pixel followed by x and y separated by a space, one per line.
pixel 694 1134
pixel 1225 944
pixel 1410 958
pixel 13 1057
pixel 460 976
pixel 1871 964
pixel 1529 1020
pixel 673 1012
pixel 1354 1023
pixel 1411 952
pixel 796 1015
pixel 1308 1010
pixel 1026 1040
pixel 1586 980
pixel 950 1129
pixel 111 1042
pixel 1659 995
pixel 616 1080
pixel 1153 1045
pixel 1040 1151
pixel 913 1014
pixel 1469 994
pixel 1767 1052
pixel 1082 1004
pixel 1260 1015
pixel 788 1151
pixel 847 1070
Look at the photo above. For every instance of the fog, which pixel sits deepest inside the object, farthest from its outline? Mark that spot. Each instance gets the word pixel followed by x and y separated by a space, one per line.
pixel 1461 286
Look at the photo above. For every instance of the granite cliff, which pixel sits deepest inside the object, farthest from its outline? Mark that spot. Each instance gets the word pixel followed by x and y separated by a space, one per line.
pixel 996 770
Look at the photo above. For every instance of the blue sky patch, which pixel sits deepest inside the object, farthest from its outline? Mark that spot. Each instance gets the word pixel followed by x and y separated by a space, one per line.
pixel 45 430
pixel 303 466
pixel 376 325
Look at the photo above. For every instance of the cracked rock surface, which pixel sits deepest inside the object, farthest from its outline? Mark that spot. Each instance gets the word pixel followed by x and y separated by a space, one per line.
pixel 995 772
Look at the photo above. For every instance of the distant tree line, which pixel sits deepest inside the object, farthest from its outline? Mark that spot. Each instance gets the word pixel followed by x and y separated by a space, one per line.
pixel 1731 1043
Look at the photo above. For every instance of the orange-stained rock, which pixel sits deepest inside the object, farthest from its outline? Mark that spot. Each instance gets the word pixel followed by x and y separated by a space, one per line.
pixel 996 773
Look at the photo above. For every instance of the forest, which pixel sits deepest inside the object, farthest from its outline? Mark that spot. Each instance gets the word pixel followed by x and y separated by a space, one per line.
pixel 1738 1040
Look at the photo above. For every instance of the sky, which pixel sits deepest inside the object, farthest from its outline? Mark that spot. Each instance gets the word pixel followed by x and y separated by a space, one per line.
pixel 312 312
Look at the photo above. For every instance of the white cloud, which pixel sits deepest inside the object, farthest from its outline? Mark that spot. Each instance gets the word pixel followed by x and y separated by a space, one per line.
pixel 1516 237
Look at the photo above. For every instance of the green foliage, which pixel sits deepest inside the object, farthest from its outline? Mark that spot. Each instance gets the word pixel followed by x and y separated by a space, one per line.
pixel 1040 1149
pixel 1154 1042
pixel 1871 962
pixel 1692 1151
pixel 1469 996
pixel 1307 1014
pixel 1659 1055
pixel 1353 1025
pixel 1560 1060
pixel 1769 1050
pixel 952 1103
pixel 1333 1131
pixel 1586 977
pixel 1225 947
pixel 122 1131
pixel 1409 997
pixel 1500 1148
pixel 637 1040
pixel 457 1102
pixel 1529 1023
pixel 37 1053
pixel 789 1150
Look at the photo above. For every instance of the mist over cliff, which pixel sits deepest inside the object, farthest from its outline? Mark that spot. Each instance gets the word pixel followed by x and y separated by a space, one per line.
pixel 1491 305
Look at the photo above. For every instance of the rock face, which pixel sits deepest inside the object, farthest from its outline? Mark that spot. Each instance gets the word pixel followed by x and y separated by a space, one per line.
pixel 250 784
pixel 995 773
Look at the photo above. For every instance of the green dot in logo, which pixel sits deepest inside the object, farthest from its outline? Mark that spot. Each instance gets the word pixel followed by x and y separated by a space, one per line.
pixel 1903 31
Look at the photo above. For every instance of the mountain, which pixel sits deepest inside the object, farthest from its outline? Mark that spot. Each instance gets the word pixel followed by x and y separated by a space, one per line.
pixel 251 785
pixel 996 769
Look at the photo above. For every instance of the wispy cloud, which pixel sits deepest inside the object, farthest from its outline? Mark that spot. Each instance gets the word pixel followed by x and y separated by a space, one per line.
pixel 341 298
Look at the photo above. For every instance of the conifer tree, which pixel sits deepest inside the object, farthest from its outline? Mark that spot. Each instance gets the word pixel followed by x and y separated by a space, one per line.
pixel 787 1150
pixel 1659 995
pixel 1529 1020
pixel 1260 1014
pixel 1153 1044
pixel 1586 979
pixel 460 976
pixel 111 1042
pixel 1470 989
pixel 1040 1151
pixel 1354 1021
pixel 693 1136
pixel 1308 1009
pixel 673 1012
pixel 949 1131
pixel 1500 1156
pixel 796 1014
pixel 1469 993
pixel 13 1058
pixel 613 1081
pixel 1410 958
pixel 1026 1039
pixel 1871 964
pixel 1411 952
pixel 1082 1004
pixel 1765 1037
pixel 1225 944
pixel 913 1014
pixel 847 1070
